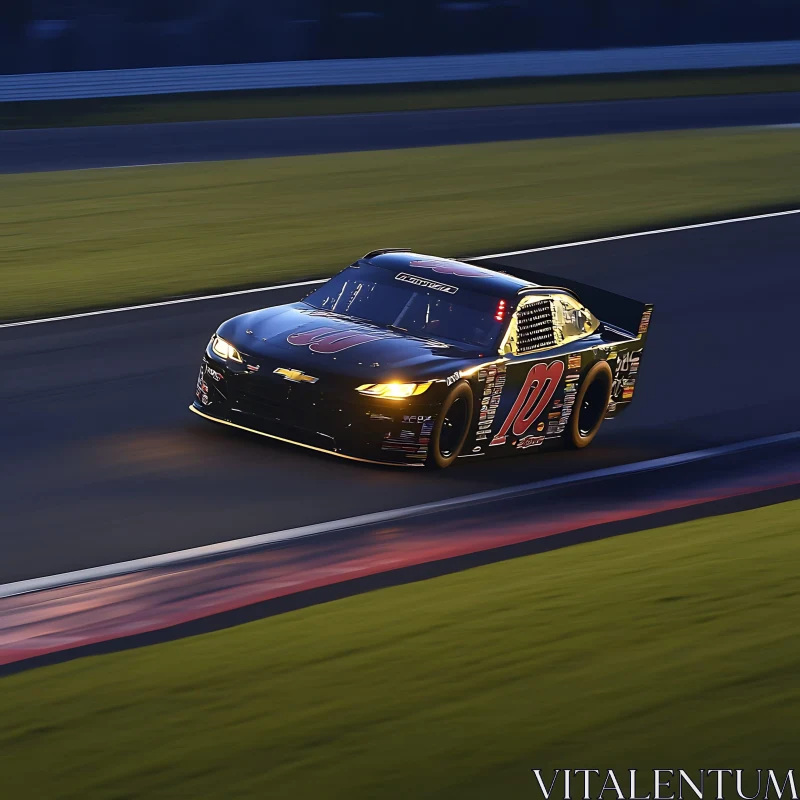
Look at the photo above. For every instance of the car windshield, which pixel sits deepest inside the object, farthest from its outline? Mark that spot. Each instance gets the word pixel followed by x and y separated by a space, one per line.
pixel 419 306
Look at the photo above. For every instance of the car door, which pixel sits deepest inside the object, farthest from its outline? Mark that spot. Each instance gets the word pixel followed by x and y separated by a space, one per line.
pixel 546 349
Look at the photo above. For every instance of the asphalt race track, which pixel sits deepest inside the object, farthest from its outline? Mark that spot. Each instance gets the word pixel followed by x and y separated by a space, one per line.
pixel 102 461
pixel 183 599
pixel 125 145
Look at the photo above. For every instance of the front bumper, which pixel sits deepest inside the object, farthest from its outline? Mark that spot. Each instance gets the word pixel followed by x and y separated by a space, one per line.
pixel 351 426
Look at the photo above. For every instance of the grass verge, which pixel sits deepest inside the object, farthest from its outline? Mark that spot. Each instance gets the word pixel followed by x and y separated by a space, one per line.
pixel 391 97
pixel 72 240
pixel 668 648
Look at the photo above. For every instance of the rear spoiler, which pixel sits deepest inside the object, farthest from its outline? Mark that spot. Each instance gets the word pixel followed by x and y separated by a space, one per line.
pixel 631 316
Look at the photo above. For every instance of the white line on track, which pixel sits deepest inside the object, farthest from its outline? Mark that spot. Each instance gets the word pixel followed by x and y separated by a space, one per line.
pixel 641 233
pixel 476 258
pixel 238 545
pixel 161 303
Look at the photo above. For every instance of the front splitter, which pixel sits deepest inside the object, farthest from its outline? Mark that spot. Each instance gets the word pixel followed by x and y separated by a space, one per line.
pixel 277 438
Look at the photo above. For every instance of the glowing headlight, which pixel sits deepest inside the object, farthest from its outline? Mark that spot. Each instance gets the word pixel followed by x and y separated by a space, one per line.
pixel 395 391
pixel 225 349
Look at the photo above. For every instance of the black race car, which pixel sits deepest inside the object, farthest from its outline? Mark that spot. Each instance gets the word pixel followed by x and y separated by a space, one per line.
pixel 415 360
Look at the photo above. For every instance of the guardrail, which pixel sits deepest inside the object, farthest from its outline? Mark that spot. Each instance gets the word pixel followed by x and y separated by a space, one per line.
pixel 348 72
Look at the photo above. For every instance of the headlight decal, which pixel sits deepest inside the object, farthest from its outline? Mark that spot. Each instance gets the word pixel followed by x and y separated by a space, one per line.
pixel 393 391
pixel 225 349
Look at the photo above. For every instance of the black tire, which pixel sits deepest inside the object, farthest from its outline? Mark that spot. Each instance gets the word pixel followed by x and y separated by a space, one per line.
pixel 590 407
pixel 451 427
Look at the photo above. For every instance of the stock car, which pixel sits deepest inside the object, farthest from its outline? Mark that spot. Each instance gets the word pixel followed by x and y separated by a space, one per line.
pixel 410 359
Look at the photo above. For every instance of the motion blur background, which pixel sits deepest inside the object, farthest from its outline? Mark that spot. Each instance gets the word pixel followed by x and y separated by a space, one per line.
pixel 437 654
pixel 62 35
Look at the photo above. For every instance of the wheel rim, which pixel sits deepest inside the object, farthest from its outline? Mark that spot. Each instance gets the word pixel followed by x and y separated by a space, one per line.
pixel 592 407
pixel 453 426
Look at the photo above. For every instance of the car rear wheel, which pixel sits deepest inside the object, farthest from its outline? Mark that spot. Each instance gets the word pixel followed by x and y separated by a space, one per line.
pixel 590 406
pixel 451 427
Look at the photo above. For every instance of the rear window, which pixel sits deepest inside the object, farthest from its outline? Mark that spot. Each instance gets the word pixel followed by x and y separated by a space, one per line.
pixel 417 305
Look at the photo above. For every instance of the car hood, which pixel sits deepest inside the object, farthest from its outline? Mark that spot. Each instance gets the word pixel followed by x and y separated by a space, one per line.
pixel 308 339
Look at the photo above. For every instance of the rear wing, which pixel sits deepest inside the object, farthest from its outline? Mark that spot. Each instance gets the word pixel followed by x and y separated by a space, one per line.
pixel 631 316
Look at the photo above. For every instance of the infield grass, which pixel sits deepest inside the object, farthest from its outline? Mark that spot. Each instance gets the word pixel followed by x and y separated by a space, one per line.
pixel 671 648
pixel 96 238
pixel 296 102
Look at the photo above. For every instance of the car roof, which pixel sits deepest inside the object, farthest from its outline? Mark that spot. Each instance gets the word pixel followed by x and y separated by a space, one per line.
pixel 449 271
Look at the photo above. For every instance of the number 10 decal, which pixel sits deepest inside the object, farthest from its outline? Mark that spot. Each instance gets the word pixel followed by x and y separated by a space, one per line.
pixel 534 397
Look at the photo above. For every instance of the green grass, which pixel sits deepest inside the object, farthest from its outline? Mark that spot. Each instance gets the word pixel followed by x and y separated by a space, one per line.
pixel 675 647
pixel 397 97
pixel 71 240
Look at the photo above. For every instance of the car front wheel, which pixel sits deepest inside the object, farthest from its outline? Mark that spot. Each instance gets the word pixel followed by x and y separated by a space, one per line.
pixel 451 427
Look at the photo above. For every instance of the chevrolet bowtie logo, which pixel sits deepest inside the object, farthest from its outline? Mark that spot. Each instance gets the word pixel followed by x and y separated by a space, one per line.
pixel 295 375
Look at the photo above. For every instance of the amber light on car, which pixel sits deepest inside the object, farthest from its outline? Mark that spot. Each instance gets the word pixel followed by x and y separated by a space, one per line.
pixel 395 391
pixel 225 349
